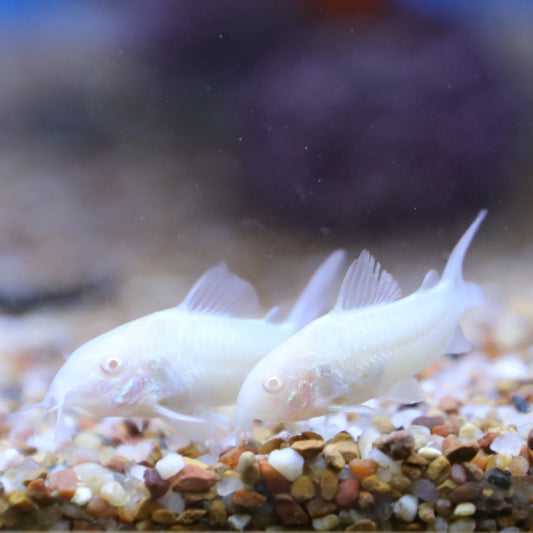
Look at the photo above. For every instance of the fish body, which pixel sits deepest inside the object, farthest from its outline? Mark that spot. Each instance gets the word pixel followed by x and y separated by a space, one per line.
pixel 180 363
pixel 370 344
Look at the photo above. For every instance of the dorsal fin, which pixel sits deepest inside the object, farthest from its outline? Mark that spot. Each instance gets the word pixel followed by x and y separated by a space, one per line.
pixel 221 292
pixel 431 279
pixel 366 284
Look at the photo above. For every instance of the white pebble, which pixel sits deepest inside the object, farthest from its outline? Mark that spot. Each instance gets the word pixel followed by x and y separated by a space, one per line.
pixel 421 435
pixel 170 465
pixel 288 462
pixel 383 460
pixel 405 417
pixel 508 443
pixel 469 432
pixel 464 509
pixel 406 507
pixel 326 523
pixel 429 453
pixel 173 501
pixel 229 484
pixel 93 475
pixel 82 496
pixel 114 494
pixel 239 521
pixel 137 472
pixel 365 441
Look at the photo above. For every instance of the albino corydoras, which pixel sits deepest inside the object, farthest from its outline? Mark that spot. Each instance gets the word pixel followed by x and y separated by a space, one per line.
pixel 180 363
pixel 369 345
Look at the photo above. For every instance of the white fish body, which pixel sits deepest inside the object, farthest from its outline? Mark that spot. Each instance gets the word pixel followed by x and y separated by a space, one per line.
pixel 370 345
pixel 181 362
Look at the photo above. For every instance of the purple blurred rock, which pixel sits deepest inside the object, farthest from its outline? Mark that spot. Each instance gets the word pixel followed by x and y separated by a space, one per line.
pixel 365 123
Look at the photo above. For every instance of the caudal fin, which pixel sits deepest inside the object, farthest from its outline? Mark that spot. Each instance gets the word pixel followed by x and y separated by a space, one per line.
pixel 454 268
pixel 318 296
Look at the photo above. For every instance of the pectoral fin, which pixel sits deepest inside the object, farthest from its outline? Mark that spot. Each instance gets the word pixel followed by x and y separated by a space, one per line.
pixel 407 391
pixel 458 343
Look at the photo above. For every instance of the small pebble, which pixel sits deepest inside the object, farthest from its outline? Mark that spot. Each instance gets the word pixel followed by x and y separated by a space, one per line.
pixel 63 481
pixel 328 484
pixel 465 492
pixel 326 523
pixel 426 513
pixel 145 508
pixel 229 484
pixel 374 484
pixel 155 483
pixel 425 490
pixel 397 444
pixel 217 515
pixel 406 507
pixel 530 439
pixel 449 404
pixel 190 516
pixel 308 447
pixel 429 453
pixel 499 478
pixel 521 404
pixel 164 517
pixel 93 475
pixel 347 492
pixel 320 507
pixel 170 465
pixel 302 489
pixel 113 493
pixel 193 478
pixel 438 469
pixel 248 498
pixel 363 467
pixel 507 443
pixel 428 421
pixel 469 432
pixel 462 525
pixel 82 496
pixel 464 509
pixel 40 493
pixel 290 513
pixel 457 451
pixel 20 501
pixel 238 522
pixel 287 462
pixel 275 481
pixel 365 524
pixel 248 468
pixel 458 474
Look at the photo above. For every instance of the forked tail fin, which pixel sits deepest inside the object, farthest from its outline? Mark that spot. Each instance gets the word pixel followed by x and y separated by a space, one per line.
pixel 318 296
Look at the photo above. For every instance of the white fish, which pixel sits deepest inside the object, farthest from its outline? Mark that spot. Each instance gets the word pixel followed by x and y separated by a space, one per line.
pixel 370 345
pixel 179 363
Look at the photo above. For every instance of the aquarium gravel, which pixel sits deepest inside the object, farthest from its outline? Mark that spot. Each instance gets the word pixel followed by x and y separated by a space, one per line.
pixel 460 461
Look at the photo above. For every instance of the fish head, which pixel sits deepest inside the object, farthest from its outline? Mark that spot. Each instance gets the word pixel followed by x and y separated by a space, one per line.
pixel 280 388
pixel 104 377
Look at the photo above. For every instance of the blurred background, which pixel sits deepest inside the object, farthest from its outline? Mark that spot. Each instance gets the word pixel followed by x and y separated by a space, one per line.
pixel 143 141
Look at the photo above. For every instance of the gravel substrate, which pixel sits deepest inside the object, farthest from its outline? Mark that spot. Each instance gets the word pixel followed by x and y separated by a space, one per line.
pixel 461 461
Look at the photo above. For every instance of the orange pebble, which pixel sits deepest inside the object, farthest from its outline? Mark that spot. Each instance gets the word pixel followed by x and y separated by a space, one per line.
pixel 518 466
pixel 480 459
pixel 363 467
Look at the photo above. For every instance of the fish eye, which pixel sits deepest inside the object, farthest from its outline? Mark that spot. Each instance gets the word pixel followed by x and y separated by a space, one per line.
pixel 273 384
pixel 110 365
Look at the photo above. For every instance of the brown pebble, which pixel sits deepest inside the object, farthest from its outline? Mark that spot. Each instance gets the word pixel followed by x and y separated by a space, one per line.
pixel 426 513
pixel 457 451
pixel 308 448
pixel 397 444
pixel 415 459
pixel 445 429
pixel 193 478
pixel 365 524
pixel 275 481
pixel 443 506
pixel 231 457
pixel 117 464
pixel 99 508
pixel 458 473
pixel 428 421
pixel 155 455
pixel 290 513
pixel 270 445
pixel 302 489
pixel 473 472
pixel 248 468
pixel 438 469
pixel 40 493
pixel 248 498
pixel 449 404
pixel 63 481
pixel 347 448
pixel 329 481
pixel 191 450
pixel 446 486
pixel 217 515
pixel 164 517
pixel 340 436
pixel 145 508
pixel 191 498
pixel 155 483
pixel 21 502
pixel 190 516
pixel 347 492
pixel 374 484
pixel 320 507
pixel 530 439
pixel 401 482
pixel 486 440
pixel 365 500
pixel 465 492
pixel 34 474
